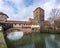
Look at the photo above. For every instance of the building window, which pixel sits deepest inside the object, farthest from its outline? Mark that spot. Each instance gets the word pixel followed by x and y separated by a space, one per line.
pixel 32 28
pixel 15 24
pixel 24 24
pixel 19 24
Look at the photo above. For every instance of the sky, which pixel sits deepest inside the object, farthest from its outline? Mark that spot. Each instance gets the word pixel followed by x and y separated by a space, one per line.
pixel 23 9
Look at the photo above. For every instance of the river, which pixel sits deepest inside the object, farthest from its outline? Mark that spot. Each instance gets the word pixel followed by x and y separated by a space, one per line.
pixel 35 40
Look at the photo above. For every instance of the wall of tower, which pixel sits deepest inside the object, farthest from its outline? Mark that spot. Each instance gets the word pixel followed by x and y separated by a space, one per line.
pixel 38 15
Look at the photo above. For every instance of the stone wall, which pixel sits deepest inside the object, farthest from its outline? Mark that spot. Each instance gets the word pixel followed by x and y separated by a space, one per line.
pixel 2 41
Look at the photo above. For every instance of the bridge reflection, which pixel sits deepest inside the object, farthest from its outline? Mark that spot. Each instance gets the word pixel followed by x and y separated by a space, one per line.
pixel 15 35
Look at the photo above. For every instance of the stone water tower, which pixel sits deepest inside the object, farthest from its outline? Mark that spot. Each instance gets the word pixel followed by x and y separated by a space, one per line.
pixel 39 17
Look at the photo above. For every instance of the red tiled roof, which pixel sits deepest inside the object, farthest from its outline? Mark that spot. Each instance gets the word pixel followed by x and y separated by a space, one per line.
pixel 46 22
pixel 58 18
pixel 1 13
pixel 38 8
pixel 31 20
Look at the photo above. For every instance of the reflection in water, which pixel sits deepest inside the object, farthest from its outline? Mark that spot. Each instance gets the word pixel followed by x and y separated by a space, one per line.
pixel 49 41
pixel 15 35
pixel 36 40
pixel 52 36
pixel 52 42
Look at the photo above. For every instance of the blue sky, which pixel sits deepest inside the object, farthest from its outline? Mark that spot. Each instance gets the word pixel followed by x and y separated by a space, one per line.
pixel 27 3
pixel 23 9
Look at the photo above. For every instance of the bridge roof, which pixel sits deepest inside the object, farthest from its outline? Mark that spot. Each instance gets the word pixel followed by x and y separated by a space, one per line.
pixel 16 22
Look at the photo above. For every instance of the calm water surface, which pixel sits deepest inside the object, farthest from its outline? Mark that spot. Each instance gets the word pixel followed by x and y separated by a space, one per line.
pixel 35 40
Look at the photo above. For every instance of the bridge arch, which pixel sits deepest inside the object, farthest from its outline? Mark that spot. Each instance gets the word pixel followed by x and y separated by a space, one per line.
pixel 23 29
pixel 12 30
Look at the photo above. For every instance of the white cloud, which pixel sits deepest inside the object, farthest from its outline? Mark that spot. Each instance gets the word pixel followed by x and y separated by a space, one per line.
pixel 51 4
pixel 59 6
pixel 24 12
pixel 48 6
pixel 27 12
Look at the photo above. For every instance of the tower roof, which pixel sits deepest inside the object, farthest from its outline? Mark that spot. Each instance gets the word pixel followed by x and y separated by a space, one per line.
pixel 38 8
pixel 1 13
